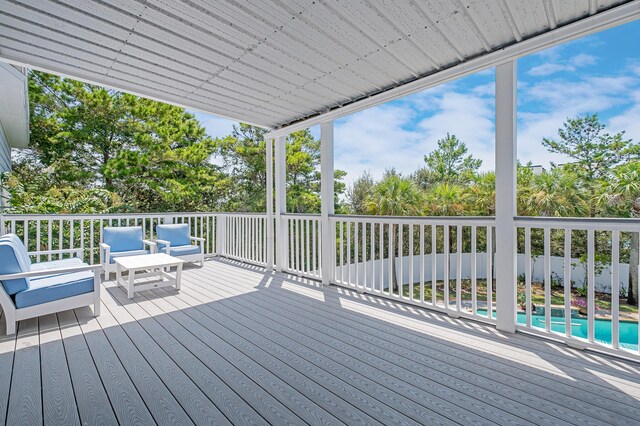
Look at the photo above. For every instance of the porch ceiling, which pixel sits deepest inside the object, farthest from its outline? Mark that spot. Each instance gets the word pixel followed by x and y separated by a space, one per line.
pixel 269 63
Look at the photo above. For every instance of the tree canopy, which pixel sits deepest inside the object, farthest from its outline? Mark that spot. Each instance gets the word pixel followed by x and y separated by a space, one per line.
pixel 448 163
pixel 98 150
pixel 594 153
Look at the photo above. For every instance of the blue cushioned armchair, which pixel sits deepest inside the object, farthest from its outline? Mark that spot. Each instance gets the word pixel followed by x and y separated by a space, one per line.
pixel 118 241
pixel 31 290
pixel 176 241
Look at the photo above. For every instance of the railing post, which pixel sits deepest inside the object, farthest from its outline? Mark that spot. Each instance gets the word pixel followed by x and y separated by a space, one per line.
pixel 220 234
pixel 327 201
pixel 281 202
pixel 269 227
pixel 505 261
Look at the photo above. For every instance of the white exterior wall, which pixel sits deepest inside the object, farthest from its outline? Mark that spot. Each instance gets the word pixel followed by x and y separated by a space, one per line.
pixel 603 281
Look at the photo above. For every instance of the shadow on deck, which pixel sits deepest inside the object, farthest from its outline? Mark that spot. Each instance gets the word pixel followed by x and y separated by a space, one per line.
pixel 240 345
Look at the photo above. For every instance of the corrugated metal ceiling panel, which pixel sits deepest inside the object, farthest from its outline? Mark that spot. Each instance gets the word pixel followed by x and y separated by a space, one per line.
pixel 268 62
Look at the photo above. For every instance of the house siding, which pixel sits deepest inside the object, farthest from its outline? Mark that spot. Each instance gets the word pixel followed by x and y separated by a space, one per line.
pixel 5 165
pixel 5 152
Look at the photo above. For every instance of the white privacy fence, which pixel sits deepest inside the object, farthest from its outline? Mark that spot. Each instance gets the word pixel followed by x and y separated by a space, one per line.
pixel 590 317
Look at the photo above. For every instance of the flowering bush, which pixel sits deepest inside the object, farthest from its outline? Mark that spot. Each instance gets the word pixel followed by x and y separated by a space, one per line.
pixel 580 303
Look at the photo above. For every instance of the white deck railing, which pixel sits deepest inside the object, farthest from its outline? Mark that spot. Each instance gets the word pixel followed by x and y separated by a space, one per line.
pixel 64 231
pixel 428 258
pixel 243 236
pixel 442 263
pixel 303 244
pixel 587 319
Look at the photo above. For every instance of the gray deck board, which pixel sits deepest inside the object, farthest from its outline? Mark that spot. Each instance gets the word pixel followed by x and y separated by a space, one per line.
pixel 457 373
pixel 526 351
pixel 238 345
pixel 7 351
pixel 261 384
pixel 225 399
pixel 191 398
pixel 125 399
pixel 58 400
pixel 92 401
pixel 311 384
pixel 341 409
pixel 431 381
pixel 161 403
pixel 398 407
pixel 434 388
pixel 25 399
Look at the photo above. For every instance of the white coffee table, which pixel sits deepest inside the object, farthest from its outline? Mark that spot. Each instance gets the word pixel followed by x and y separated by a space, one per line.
pixel 148 265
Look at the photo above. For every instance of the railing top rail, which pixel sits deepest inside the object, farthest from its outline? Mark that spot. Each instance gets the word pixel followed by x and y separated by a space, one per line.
pixel 241 214
pixel 464 220
pixel 580 223
pixel 31 216
pixel 577 219
pixel 301 215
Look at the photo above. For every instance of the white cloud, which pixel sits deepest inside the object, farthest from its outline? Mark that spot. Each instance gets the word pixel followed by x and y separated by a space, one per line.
pixel 629 120
pixel 558 100
pixel 546 69
pixel 554 64
pixel 400 134
pixel 583 60
pixel 377 139
pixel 470 117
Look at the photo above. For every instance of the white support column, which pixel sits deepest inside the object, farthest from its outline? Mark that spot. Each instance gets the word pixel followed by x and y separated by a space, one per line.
pixel 281 202
pixel 327 200
pixel 506 146
pixel 269 230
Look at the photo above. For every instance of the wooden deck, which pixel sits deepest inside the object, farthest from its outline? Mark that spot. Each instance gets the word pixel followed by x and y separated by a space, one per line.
pixel 239 346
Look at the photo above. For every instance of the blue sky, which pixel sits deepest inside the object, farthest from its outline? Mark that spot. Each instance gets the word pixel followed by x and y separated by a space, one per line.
pixel 596 74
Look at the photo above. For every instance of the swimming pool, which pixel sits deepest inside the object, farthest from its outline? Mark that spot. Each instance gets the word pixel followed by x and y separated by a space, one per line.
pixel 628 330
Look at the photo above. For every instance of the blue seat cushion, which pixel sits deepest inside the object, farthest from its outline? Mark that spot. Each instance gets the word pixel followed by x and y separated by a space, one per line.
pixel 177 235
pixel 15 259
pixel 184 250
pixel 54 287
pixel 123 238
pixel 127 253
pixel 54 264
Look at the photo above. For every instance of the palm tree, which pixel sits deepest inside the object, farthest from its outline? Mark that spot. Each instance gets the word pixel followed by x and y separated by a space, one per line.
pixel 394 196
pixel 446 199
pixel 556 194
pixel 623 189
pixel 481 195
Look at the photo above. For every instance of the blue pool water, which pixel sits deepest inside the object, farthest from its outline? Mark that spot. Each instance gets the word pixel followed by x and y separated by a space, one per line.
pixel 628 330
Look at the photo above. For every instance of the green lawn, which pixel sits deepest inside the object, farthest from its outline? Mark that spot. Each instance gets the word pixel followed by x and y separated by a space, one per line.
pixel 603 300
pixel 466 290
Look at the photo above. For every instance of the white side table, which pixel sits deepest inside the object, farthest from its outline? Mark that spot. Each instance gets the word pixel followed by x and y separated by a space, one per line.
pixel 148 265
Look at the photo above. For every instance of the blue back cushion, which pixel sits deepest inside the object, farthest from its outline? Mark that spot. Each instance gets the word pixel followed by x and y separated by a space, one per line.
pixel 14 259
pixel 177 235
pixel 123 238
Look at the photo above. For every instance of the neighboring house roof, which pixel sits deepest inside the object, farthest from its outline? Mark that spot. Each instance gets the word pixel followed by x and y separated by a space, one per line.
pixel 277 63
pixel 14 105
